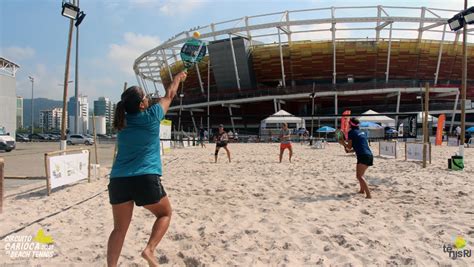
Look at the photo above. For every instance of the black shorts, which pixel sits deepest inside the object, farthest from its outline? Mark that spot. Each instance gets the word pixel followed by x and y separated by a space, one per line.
pixel 219 145
pixel 365 159
pixel 143 189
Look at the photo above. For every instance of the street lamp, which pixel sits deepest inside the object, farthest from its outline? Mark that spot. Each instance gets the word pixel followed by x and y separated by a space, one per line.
pixel 72 12
pixel 80 16
pixel 32 80
pixel 458 21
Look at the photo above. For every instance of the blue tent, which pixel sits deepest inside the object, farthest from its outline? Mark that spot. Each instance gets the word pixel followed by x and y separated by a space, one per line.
pixel 470 129
pixel 326 129
pixel 369 124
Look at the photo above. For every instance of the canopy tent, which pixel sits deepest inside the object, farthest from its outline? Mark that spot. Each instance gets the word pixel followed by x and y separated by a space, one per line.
pixel 280 117
pixel 275 121
pixel 372 116
pixel 369 125
pixel 420 115
pixel 326 129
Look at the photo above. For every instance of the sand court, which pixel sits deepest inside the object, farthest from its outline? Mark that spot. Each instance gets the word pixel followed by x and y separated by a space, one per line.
pixel 256 211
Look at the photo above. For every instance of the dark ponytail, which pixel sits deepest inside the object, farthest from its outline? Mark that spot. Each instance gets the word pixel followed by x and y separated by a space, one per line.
pixel 119 118
pixel 129 104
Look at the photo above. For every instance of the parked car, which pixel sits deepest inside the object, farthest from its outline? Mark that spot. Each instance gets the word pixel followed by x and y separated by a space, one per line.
pixel 7 142
pixel 22 138
pixel 54 137
pixel 103 136
pixel 80 139
pixel 38 137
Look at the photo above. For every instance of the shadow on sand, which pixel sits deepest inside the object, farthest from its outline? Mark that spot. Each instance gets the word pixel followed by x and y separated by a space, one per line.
pixel 339 197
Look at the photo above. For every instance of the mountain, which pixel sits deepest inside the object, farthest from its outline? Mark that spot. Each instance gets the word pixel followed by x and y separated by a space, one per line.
pixel 38 105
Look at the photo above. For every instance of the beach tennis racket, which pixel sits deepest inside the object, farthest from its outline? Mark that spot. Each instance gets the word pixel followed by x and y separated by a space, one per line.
pixel 193 51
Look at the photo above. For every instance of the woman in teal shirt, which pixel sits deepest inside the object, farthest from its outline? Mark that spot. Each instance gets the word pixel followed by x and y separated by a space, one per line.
pixel 136 172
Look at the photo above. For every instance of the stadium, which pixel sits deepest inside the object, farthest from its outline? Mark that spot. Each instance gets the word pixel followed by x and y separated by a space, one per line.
pixel 339 58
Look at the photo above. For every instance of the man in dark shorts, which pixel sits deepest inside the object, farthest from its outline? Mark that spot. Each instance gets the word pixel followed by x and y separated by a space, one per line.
pixel 222 139
pixel 357 142
pixel 201 137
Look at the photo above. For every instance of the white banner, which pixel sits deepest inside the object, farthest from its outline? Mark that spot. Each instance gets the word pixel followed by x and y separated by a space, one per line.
pixel 452 141
pixel 165 133
pixel 415 151
pixel 66 169
pixel 388 149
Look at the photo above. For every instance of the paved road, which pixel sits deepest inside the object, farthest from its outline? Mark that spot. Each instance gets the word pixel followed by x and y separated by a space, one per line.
pixel 27 160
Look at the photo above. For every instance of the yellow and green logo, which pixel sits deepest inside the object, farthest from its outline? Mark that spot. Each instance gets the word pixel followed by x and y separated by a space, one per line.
pixel 459 242
pixel 42 238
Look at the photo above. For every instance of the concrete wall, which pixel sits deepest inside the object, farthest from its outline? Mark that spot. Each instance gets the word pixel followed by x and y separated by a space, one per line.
pixel 8 103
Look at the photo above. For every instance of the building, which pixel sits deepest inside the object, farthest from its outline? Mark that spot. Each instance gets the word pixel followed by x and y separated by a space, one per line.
pixel 100 125
pixel 104 107
pixel 8 98
pixel 315 67
pixel 83 115
pixel 50 120
pixel 19 112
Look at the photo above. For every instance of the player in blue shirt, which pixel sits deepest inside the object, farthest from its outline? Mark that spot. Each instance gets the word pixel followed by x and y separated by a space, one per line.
pixel 136 172
pixel 357 142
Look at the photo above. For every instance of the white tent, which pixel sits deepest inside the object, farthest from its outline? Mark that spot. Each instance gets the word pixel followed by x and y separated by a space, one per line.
pixel 384 120
pixel 280 117
pixel 275 121
pixel 420 115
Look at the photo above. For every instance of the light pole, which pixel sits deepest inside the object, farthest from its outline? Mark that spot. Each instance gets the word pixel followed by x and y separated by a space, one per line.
pixel 180 110
pixel 79 19
pixel 72 12
pixel 32 80
pixel 461 20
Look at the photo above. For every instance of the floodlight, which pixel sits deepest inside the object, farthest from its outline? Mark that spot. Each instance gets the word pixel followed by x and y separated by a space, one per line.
pixel 456 22
pixel 70 10
pixel 469 15
pixel 79 19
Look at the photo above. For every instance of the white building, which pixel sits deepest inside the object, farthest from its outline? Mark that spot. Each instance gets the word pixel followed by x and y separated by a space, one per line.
pixel 100 125
pixel 8 98
pixel 83 115
pixel 104 107
pixel 51 119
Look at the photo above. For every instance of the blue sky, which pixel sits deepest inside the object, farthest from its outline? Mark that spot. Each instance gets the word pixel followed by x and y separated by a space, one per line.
pixel 114 33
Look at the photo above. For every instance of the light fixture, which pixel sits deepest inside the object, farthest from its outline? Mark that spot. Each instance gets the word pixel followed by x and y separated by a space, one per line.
pixel 469 15
pixel 181 95
pixel 456 22
pixel 79 19
pixel 70 10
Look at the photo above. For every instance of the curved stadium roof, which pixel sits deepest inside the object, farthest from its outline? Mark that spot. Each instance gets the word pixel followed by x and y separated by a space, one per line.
pixel 328 27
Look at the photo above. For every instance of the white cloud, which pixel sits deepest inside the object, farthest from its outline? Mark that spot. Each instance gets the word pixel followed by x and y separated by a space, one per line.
pixel 16 53
pixel 169 7
pixel 174 7
pixel 46 82
pixel 123 55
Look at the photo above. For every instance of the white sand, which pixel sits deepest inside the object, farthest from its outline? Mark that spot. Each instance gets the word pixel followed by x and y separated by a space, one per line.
pixel 255 211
